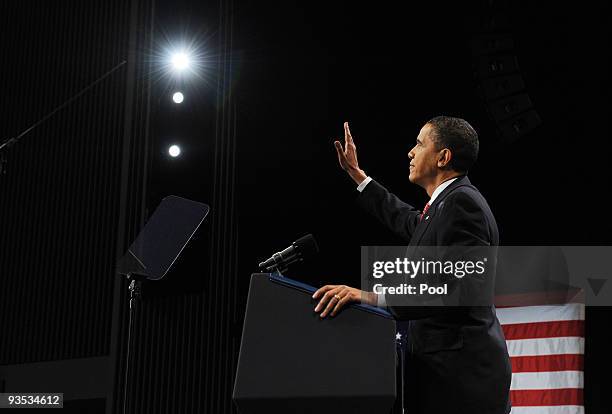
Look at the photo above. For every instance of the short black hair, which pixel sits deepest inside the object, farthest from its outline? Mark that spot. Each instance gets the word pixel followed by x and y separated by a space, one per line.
pixel 459 137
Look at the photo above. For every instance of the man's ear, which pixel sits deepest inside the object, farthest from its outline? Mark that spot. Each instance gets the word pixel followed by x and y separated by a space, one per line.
pixel 444 158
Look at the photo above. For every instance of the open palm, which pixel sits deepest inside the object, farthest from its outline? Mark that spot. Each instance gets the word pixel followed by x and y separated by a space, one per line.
pixel 347 156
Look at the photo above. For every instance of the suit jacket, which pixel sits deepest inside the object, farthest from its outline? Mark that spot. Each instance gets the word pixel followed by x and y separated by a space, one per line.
pixel 458 361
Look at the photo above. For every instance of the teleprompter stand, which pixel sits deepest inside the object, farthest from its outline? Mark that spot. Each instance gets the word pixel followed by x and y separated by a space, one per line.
pixel 153 252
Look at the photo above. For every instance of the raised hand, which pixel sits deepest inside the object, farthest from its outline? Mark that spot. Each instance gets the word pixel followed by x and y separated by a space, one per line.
pixel 347 156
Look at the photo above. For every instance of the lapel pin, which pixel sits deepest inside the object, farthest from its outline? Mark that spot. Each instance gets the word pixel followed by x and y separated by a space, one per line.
pixel 426 217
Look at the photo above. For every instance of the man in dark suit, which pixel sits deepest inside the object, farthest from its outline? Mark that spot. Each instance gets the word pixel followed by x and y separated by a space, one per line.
pixel 458 360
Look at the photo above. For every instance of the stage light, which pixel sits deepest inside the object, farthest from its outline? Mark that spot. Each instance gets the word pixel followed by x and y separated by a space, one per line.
pixel 174 151
pixel 180 61
pixel 183 62
pixel 178 97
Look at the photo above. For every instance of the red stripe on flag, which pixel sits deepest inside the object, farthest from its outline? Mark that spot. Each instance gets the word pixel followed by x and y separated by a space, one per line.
pixel 552 329
pixel 548 363
pixel 561 396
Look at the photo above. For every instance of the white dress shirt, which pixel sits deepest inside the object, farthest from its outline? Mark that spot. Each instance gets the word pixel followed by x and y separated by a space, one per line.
pixel 381 303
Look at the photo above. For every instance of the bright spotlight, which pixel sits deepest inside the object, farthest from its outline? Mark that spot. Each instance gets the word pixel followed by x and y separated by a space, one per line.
pixel 178 97
pixel 174 151
pixel 185 59
pixel 180 61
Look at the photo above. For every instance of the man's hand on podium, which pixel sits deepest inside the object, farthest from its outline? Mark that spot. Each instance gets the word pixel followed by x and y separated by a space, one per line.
pixel 335 297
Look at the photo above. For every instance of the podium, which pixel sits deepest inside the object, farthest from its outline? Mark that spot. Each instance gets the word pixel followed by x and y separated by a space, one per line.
pixel 292 361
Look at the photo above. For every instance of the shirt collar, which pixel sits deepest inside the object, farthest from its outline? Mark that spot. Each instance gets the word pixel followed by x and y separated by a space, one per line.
pixel 440 188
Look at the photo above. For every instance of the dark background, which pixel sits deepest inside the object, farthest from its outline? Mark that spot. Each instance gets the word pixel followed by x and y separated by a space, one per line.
pixel 276 81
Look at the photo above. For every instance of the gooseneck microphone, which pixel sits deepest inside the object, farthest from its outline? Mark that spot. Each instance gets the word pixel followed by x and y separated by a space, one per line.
pixel 303 248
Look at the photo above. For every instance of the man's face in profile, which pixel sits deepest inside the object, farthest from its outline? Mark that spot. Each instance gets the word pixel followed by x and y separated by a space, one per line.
pixel 424 158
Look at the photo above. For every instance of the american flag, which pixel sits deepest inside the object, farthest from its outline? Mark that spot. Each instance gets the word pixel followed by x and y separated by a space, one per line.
pixel 546 347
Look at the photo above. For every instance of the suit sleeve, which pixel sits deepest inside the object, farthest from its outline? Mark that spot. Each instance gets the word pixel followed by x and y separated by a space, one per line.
pixel 399 217
pixel 462 223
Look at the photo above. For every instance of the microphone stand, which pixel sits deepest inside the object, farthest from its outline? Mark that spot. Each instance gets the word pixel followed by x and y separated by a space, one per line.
pixel 281 267
pixel 7 143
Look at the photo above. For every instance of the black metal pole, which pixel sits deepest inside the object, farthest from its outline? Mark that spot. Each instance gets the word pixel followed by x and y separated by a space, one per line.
pixel 135 290
pixel 7 143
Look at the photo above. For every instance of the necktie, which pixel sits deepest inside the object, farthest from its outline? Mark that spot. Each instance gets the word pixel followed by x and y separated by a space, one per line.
pixel 424 211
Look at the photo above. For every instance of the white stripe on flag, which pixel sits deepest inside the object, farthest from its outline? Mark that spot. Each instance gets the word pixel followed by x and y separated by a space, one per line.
pixel 547 380
pixel 546 313
pixel 559 409
pixel 546 346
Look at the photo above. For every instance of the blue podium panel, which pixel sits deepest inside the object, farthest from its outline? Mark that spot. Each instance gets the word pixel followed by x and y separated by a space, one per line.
pixel 292 361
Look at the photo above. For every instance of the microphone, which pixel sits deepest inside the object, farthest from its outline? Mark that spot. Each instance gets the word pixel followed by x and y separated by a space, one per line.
pixel 302 248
